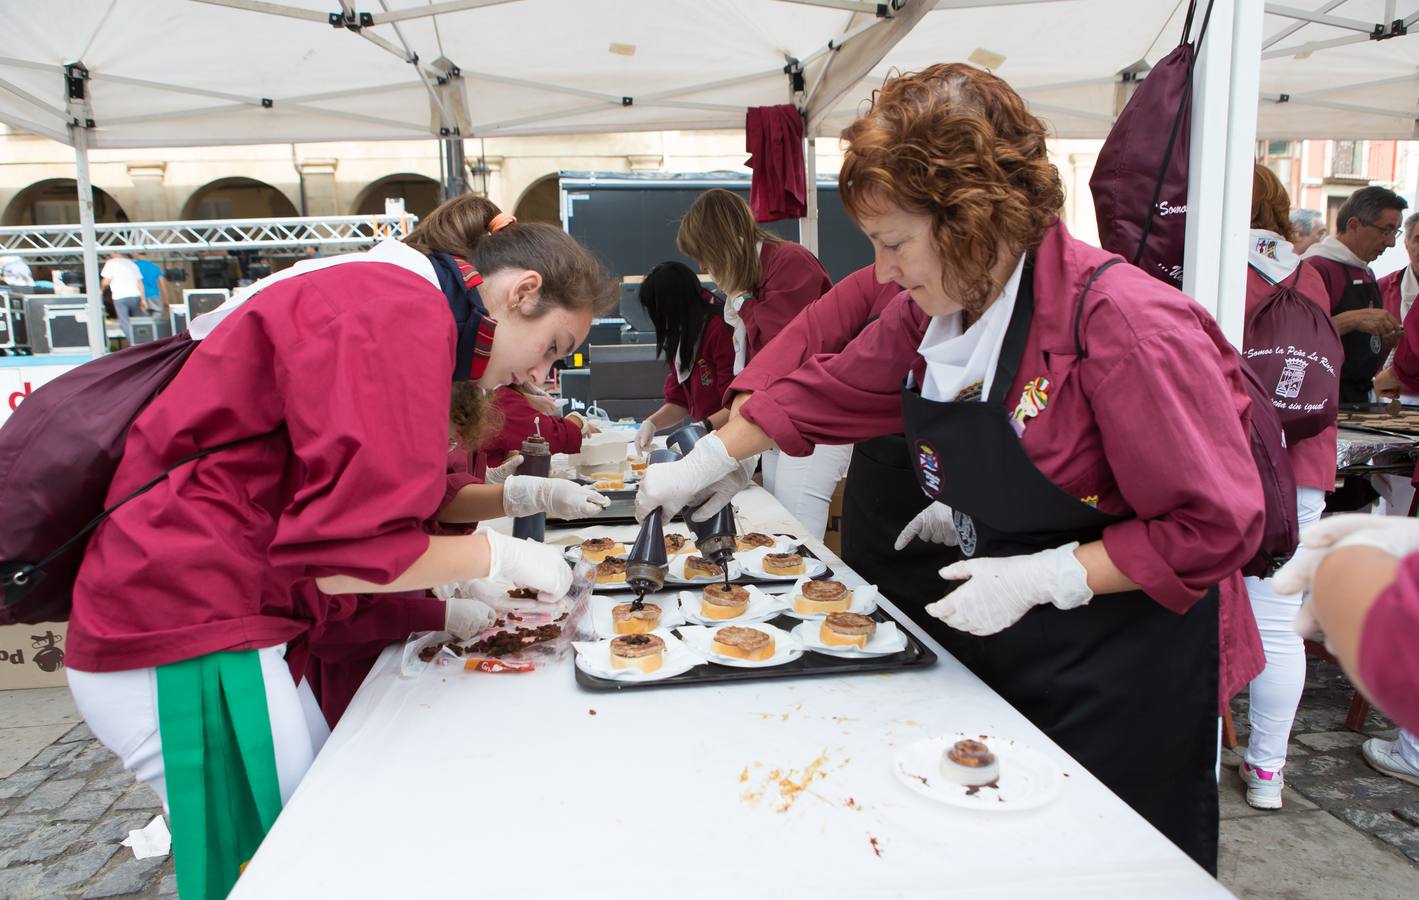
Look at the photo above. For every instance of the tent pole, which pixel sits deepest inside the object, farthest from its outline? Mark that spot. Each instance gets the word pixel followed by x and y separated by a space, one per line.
pixel 98 337
pixel 454 166
pixel 808 225
pixel 1226 81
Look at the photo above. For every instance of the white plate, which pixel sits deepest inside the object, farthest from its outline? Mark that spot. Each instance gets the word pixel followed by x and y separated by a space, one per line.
pixel 762 607
pixel 677 572
pixel 888 639
pixel 594 658
pixel 605 627
pixel 1028 779
pixel 786 647
pixel 753 563
pixel 864 601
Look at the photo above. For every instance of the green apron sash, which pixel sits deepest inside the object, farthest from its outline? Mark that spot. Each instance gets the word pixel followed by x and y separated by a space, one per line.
pixel 220 765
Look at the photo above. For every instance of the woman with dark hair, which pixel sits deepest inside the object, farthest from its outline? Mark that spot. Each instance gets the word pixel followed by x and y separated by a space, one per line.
pixel 1081 424
pixel 340 376
pixel 767 281
pixel 698 349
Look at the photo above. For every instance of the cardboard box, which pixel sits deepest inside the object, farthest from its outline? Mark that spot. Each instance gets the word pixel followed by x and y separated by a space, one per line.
pixel 32 655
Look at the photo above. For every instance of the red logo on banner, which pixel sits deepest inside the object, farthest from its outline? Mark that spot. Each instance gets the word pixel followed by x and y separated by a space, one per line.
pixel 17 396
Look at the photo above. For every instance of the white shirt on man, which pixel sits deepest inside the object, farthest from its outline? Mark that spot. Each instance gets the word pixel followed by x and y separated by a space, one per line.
pixel 125 279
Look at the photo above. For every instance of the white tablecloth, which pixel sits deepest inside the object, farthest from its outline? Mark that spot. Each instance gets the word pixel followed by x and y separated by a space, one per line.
pixel 472 785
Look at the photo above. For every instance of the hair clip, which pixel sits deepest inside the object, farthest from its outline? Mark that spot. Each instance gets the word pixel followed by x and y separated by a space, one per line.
pixel 501 221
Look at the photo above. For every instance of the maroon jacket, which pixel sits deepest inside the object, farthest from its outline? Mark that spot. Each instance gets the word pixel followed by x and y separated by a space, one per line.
pixel 704 391
pixel 1150 425
pixel 824 326
pixel 1389 667
pixel 791 278
pixel 563 435
pixel 223 555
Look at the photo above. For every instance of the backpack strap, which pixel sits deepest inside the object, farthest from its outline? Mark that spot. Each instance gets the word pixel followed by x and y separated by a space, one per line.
pixel 1079 309
pixel 21 574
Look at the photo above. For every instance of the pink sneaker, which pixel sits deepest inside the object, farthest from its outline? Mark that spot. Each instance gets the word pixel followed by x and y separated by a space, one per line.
pixel 1263 787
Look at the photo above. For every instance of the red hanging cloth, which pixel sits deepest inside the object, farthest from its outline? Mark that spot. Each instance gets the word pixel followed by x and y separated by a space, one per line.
pixel 774 139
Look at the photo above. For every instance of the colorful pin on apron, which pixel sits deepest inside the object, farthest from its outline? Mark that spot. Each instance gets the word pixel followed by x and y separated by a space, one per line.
pixel 1033 399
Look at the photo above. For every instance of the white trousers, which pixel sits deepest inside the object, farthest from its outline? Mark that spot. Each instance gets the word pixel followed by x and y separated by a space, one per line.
pixel 1276 692
pixel 805 484
pixel 1409 747
pixel 121 709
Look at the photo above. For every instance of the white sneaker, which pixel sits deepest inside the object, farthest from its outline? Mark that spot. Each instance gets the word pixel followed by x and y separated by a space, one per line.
pixel 1263 787
pixel 1384 757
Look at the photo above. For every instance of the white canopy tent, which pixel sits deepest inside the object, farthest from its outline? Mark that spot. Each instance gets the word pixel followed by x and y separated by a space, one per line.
pixel 149 73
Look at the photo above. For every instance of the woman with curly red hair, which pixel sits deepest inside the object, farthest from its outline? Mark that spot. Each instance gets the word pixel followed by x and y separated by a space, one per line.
pixel 1079 425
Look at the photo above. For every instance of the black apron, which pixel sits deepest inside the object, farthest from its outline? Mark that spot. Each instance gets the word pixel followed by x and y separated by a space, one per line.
pixel 880 498
pixel 1125 686
pixel 1363 351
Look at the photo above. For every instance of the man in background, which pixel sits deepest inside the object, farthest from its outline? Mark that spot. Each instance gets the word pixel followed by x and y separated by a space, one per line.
pixel 124 280
pixel 1366 225
pixel 153 285
pixel 1310 228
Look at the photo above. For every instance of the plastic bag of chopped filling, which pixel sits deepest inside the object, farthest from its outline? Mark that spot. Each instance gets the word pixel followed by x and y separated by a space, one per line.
pixel 520 640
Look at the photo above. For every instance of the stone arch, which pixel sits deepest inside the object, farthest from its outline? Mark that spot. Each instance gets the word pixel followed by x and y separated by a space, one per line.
pixel 238 198
pixel 55 201
pixel 541 202
pixel 420 194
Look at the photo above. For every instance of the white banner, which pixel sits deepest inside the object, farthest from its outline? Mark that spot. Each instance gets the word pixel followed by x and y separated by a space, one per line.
pixel 18 382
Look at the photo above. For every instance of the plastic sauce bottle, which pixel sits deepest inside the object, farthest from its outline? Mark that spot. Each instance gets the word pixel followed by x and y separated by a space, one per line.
pixel 536 460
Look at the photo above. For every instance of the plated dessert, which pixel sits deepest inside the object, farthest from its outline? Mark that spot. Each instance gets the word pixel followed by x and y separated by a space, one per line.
pixel 675 543
pixel 611 571
pixel 699 567
pixel 608 484
pixel 597 549
pixel 783 564
pixel 724 601
pixel 753 540
pixel 645 652
pixel 847 629
pixel 626 619
pixel 970 763
pixel 742 643
pixel 818 597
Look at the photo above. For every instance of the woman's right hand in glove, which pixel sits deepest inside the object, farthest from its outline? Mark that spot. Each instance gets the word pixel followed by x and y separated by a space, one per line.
pixel 528 564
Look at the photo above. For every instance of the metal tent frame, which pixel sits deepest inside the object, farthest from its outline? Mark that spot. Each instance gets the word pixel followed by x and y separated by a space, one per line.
pixel 816 80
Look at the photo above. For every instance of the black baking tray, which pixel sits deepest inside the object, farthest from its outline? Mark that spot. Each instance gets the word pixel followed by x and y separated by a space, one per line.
pixel 916 656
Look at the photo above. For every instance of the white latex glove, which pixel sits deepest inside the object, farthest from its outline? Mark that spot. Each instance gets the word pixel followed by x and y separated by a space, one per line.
pixel 999 590
pixel 526 495
pixel 1396 535
pixel 644 435
pixel 706 479
pixel 582 423
pixel 465 617
pixel 499 474
pixel 933 525
pixel 529 564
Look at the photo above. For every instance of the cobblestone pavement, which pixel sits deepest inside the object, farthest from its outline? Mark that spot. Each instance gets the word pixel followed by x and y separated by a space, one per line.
pixel 1346 830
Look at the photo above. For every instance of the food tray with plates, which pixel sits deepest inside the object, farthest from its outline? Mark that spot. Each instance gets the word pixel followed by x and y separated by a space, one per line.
pixel 802 659
pixel 1379 417
pixel 740 572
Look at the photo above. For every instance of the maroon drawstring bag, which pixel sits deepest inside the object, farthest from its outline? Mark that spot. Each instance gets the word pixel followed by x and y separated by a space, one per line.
pixel 1294 350
pixel 1140 179
pixel 58 454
